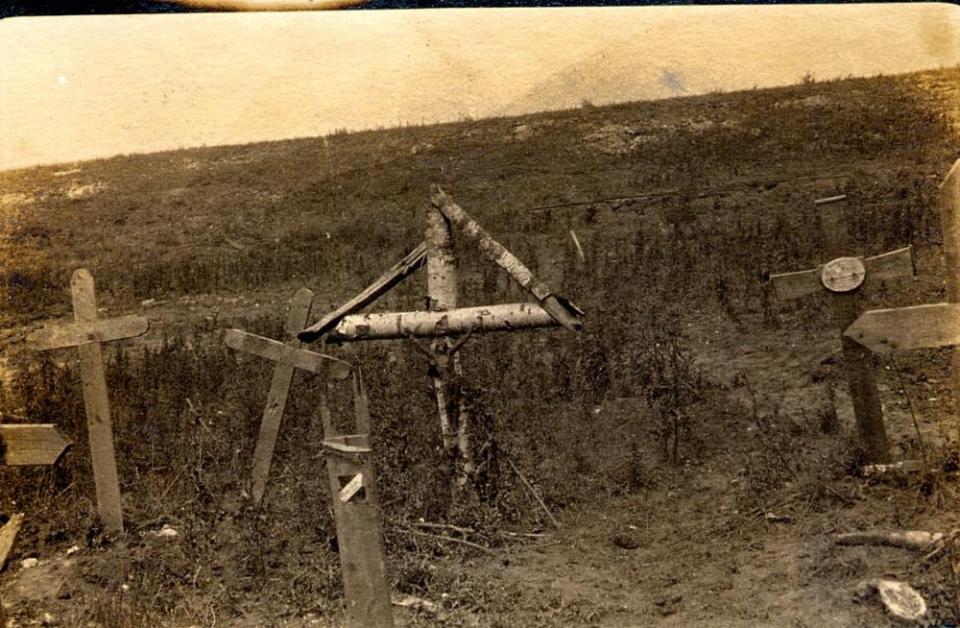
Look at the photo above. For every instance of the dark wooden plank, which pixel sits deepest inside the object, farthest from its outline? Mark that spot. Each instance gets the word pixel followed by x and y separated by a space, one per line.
pixel 916 327
pixel 297 317
pixel 99 423
pixel 411 262
pixel 8 534
pixel 76 334
pixel 949 201
pixel 279 352
pixel 564 312
pixel 30 444
pixel 359 534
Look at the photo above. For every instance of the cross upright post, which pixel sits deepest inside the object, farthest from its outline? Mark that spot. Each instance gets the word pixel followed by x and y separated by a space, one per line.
pixel 86 334
pixel 843 277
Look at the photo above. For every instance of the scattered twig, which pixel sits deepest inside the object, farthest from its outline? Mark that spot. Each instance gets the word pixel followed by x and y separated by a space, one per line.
pixel 533 492
pixel 444 526
pixel 450 539
pixel 916 540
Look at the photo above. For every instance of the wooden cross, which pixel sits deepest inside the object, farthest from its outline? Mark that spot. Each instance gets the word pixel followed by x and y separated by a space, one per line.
pixel 288 357
pixel 923 326
pixel 843 278
pixel 349 465
pixel 444 321
pixel 86 334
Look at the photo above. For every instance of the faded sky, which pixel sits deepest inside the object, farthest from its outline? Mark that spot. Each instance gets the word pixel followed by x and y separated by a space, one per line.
pixel 82 87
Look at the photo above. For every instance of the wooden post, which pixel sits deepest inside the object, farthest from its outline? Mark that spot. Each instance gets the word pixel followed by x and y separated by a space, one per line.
pixel 950 220
pixel 359 530
pixel 442 296
pixel 86 334
pixel 857 361
pixel 297 317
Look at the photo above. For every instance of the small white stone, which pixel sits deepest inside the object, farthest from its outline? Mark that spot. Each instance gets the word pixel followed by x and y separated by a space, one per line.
pixel 73 550
pixel 167 532
pixel 27 563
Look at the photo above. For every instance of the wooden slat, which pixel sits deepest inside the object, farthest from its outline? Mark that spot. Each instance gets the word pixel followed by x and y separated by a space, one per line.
pixel 890 265
pixel 949 202
pixel 297 317
pixel 916 327
pixel 366 590
pixel 29 444
pixel 279 352
pixel 402 269
pixel 797 284
pixel 99 423
pixel 561 310
pixel 482 319
pixel 79 333
pixel 8 534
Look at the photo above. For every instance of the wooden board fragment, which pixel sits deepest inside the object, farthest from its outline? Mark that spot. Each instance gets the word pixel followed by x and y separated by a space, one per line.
pixel 402 269
pixel 915 327
pixel 79 333
pixel 284 354
pixel 30 444
pixel 359 535
pixel 8 534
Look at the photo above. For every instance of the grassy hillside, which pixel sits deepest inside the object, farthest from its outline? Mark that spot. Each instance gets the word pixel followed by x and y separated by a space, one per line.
pixel 682 206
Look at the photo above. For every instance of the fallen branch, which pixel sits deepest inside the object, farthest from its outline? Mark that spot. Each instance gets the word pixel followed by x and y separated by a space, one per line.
pixel 450 539
pixel 533 492
pixel 916 540
pixel 904 466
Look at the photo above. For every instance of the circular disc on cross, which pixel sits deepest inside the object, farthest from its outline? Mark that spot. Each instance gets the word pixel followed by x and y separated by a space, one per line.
pixel 844 274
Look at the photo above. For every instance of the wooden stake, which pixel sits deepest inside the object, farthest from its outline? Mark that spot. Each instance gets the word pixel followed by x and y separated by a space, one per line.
pixel 8 533
pixel 950 219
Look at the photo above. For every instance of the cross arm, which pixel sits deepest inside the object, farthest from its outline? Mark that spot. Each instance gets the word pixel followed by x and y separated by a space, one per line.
pixel 285 354
pixel 898 263
pixel 915 327
pixel 75 334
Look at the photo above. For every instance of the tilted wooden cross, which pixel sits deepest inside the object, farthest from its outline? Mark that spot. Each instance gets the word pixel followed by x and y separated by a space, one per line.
pixel 924 326
pixel 844 278
pixel 288 356
pixel 349 464
pixel 86 334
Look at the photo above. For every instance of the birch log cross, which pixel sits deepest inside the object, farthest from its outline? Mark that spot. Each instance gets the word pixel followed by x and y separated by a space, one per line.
pixel 923 326
pixel 844 278
pixel 444 321
pixel 86 334
pixel 288 357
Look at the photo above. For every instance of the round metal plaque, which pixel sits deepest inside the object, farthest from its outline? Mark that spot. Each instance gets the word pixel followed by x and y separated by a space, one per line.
pixel 844 274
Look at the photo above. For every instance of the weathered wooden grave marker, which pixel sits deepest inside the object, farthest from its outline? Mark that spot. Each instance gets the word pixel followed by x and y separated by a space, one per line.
pixel 844 277
pixel 444 321
pixel 288 357
pixel 356 506
pixel 8 533
pixel 923 326
pixel 86 334
pixel 349 465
